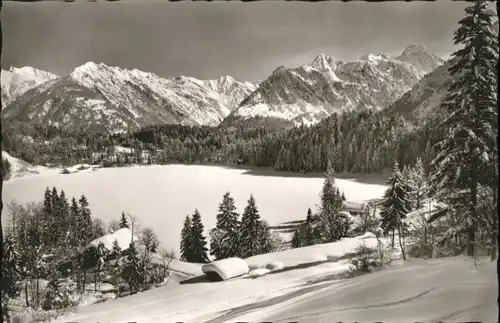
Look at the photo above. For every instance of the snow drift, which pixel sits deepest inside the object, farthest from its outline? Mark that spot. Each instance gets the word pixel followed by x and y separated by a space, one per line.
pixel 311 254
pixel 123 236
pixel 225 269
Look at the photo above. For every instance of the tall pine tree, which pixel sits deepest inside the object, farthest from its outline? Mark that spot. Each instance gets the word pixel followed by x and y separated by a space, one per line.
pixel 333 225
pixel 394 206
pixel 199 241
pixel 187 247
pixel 224 243
pixel 463 160
pixel 123 221
pixel 250 230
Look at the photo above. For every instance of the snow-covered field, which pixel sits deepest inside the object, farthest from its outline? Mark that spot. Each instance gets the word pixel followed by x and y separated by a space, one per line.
pixel 161 196
pixel 433 290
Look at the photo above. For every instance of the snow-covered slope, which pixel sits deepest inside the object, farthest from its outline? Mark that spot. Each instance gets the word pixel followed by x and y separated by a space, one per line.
pixel 152 99
pixel 311 92
pixel 20 168
pixel 70 106
pixel 426 95
pixel 421 59
pixel 16 81
pixel 231 92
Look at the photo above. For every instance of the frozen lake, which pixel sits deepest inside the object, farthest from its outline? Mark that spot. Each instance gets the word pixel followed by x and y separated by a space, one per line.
pixel 161 196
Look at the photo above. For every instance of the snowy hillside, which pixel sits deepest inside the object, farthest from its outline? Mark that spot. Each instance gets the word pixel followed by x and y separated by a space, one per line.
pixel 17 81
pixel 69 105
pixel 426 95
pixel 20 168
pixel 305 291
pixel 311 92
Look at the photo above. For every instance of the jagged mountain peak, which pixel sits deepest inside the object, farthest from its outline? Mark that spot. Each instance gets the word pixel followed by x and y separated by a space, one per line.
pixel 308 93
pixel 324 62
pixel 18 80
pixel 415 49
pixel 420 58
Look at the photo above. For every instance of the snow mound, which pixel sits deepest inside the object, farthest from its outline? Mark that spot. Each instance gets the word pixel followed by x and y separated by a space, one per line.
pixel 123 236
pixel 258 272
pixel 276 265
pixel 311 254
pixel 226 268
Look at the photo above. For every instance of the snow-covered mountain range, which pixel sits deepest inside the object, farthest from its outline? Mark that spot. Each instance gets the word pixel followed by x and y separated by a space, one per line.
pixel 100 96
pixel 16 81
pixel 311 92
pixel 97 96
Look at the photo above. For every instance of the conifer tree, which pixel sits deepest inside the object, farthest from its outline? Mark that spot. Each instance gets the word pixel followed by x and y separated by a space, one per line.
pixel 297 239
pixel 463 160
pixel 333 225
pixel 123 221
pixel 74 214
pixel 57 296
pixel 11 268
pixel 394 206
pixel 199 241
pixel 132 271
pixel 310 235
pixel 224 243
pixel 420 183
pixel 85 222
pixel 265 239
pixel 249 230
pixel 187 247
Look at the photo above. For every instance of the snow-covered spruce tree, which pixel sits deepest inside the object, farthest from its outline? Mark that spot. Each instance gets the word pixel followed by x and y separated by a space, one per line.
pixel 464 158
pixel 101 255
pixel 199 242
pixel 11 278
pixel 420 186
pixel 333 225
pixel 123 221
pixel 310 237
pixel 187 247
pixel 85 222
pixel 250 230
pixel 297 240
pixel 265 238
pixel 57 296
pixel 224 243
pixel 132 271
pixel 394 206
pixel 74 214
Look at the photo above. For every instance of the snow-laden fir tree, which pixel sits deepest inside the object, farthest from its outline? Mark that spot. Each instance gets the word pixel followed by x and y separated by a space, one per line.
pixel 11 278
pixel 464 157
pixel 250 227
pixel 85 221
pixel 419 183
pixel 394 206
pixel 57 295
pixel 310 237
pixel 123 221
pixel 132 271
pixel 297 241
pixel 224 238
pixel 199 241
pixel 265 238
pixel 187 247
pixel 333 225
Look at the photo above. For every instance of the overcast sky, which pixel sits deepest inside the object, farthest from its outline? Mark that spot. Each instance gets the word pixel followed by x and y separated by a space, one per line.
pixel 210 39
